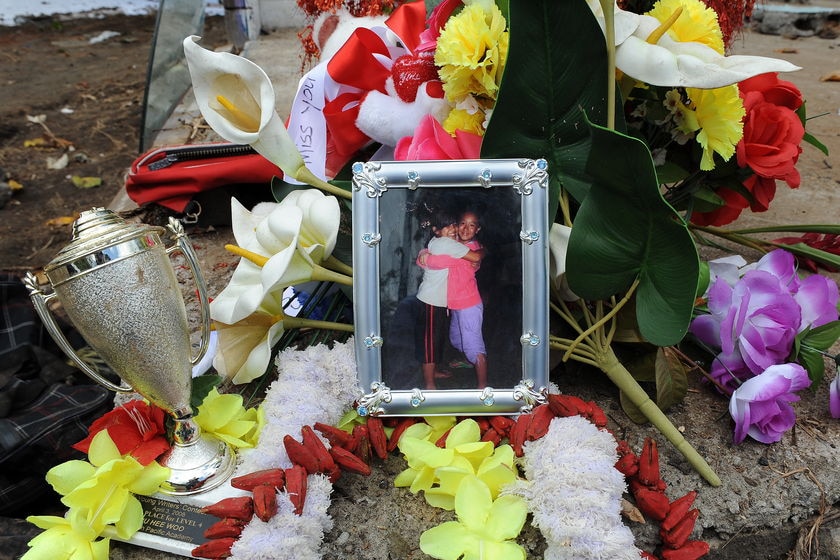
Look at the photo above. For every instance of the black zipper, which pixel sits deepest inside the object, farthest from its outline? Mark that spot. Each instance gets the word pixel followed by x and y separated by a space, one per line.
pixel 187 153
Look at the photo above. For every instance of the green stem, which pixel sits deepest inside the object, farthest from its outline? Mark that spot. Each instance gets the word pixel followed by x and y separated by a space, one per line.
pixel 604 318
pixel 305 175
pixel 320 273
pixel 609 32
pixel 334 264
pixel 618 374
pixel 756 244
pixel 301 323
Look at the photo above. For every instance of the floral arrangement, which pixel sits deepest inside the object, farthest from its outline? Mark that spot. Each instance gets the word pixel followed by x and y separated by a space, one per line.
pixel 450 85
pixel 654 138
pixel 122 447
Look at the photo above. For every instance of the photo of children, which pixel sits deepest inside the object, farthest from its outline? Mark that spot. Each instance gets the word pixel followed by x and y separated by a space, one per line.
pixel 450 289
pixel 462 296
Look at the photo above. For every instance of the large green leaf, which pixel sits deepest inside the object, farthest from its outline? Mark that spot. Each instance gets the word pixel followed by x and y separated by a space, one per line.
pixel 625 230
pixel 555 72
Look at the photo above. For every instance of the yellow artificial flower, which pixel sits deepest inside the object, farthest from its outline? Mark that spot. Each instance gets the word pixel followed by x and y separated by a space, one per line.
pixel 471 52
pixel 697 23
pixel 99 494
pixel 224 416
pixel 461 119
pixel 495 471
pixel 439 471
pixel 484 528
pixel 65 538
pixel 719 113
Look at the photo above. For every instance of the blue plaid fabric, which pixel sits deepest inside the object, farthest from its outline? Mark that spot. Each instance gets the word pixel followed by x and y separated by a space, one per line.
pixel 44 408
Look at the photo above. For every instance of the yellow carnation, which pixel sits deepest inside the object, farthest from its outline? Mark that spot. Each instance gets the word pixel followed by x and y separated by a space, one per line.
pixel 719 114
pixel 459 119
pixel 697 23
pixel 471 53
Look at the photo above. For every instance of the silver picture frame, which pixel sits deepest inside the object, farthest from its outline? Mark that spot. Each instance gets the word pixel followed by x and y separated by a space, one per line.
pixel 392 202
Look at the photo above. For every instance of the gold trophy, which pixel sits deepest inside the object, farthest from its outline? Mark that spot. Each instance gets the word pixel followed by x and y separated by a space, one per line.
pixel 118 287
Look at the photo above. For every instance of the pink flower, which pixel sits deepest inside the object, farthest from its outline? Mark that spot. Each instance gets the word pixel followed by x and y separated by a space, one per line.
pixel 761 406
pixel 136 427
pixel 753 323
pixel 431 141
pixel 755 319
pixel 435 22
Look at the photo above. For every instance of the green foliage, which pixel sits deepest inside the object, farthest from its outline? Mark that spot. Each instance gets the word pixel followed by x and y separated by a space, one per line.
pixel 625 231
pixel 201 387
pixel 810 347
pixel 555 76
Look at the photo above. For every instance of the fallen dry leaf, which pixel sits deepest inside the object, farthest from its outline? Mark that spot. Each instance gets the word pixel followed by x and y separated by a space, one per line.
pixel 631 512
pixel 58 163
pixel 86 182
pixel 787 50
pixel 831 77
pixel 60 221
pixel 14 185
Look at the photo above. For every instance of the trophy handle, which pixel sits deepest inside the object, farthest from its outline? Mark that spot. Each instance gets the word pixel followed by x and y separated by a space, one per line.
pixel 40 300
pixel 184 245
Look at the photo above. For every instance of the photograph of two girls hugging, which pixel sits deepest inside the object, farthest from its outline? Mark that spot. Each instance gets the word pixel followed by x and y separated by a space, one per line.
pixel 457 320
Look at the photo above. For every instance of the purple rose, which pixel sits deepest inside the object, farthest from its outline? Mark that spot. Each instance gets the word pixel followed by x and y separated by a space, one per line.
pixel 754 324
pixel 761 406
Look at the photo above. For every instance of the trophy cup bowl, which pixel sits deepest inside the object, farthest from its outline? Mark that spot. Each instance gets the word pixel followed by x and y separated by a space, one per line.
pixel 118 288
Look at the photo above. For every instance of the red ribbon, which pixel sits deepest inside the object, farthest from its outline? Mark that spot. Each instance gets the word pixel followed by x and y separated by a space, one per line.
pixel 357 66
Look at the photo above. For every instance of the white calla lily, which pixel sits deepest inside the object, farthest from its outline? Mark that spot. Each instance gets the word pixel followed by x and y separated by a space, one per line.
pixel 558 246
pixel 245 348
pixel 673 63
pixel 236 98
pixel 283 244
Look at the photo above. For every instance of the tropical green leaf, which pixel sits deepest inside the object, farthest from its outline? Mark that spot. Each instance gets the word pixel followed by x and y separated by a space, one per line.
pixel 623 231
pixel 671 379
pixel 555 72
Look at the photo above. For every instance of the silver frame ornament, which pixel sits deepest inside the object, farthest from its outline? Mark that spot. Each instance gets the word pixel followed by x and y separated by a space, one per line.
pixel 384 196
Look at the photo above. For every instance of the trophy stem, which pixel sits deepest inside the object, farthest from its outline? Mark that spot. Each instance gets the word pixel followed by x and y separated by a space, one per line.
pixel 198 462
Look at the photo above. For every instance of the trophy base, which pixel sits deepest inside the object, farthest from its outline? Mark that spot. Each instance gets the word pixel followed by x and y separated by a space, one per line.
pixel 175 524
pixel 198 466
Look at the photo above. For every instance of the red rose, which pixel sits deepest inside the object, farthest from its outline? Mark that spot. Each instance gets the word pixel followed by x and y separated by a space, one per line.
pixel 734 203
pixel 772 130
pixel 774 90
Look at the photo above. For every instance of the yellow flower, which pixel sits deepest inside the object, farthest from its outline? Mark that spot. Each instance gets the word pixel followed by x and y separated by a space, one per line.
pixel 697 22
pixel 224 416
pixel 719 113
pixel 461 119
pixel 471 52
pixel 98 494
pixel 65 538
pixel 484 527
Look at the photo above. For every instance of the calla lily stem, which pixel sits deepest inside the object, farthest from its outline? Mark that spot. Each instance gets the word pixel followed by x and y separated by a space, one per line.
pixel 301 323
pixel 334 264
pixel 324 274
pixel 304 175
pixel 593 346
